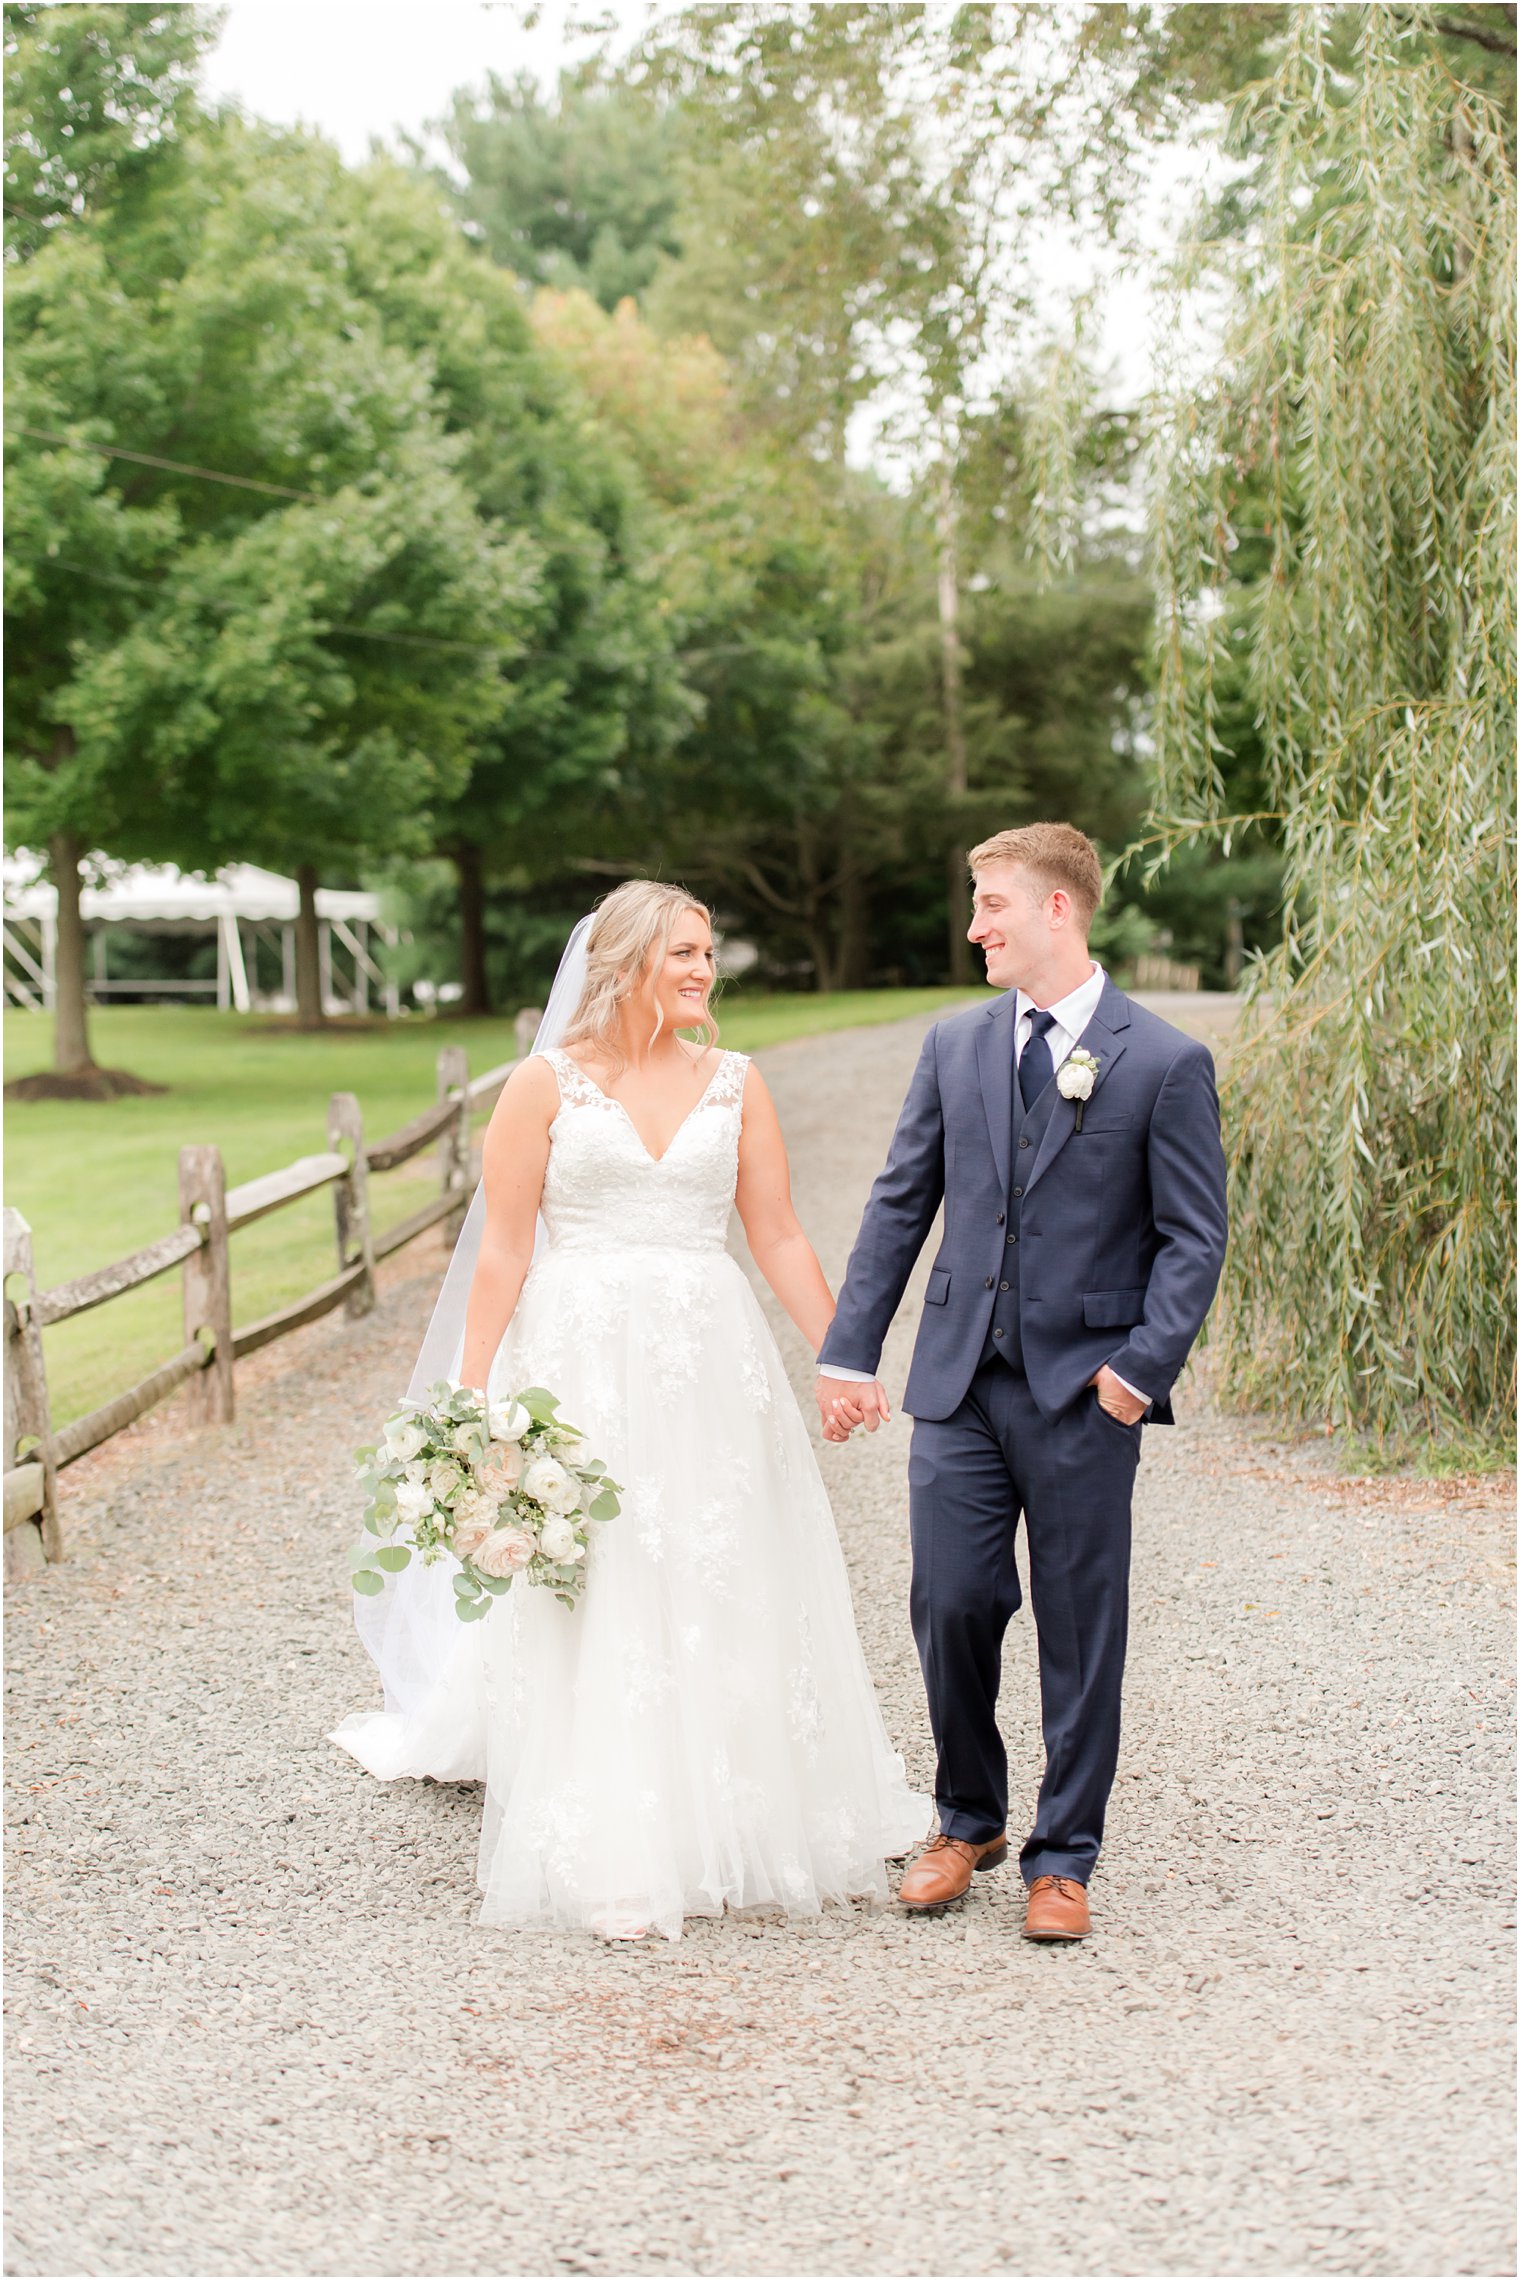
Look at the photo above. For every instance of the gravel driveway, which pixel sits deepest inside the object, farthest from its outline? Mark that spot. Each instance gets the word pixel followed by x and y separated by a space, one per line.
pixel 254 2028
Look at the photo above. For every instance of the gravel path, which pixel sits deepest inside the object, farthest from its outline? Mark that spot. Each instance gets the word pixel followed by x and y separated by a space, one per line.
pixel 254 2029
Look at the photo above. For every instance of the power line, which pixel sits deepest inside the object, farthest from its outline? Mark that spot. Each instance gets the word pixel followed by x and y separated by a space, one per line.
pixel 171 466
pixel 357 632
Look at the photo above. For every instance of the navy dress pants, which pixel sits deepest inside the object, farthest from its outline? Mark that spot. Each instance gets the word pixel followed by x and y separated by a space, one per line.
pixel 970 1476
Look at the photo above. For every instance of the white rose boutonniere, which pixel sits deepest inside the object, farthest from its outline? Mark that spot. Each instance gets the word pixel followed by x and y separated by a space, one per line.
pixel 1076 1077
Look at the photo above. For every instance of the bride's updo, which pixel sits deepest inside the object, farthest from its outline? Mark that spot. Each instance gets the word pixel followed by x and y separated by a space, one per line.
pixel 631 929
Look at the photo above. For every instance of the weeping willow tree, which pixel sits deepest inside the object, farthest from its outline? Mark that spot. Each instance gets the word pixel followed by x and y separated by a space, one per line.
pixel 1337 525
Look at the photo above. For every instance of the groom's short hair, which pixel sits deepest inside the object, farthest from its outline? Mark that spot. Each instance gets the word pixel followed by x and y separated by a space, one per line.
pixel 1056 854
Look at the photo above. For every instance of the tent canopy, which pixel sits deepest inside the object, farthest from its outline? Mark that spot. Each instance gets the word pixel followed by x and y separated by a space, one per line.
pixel 144 893
pixel 154 898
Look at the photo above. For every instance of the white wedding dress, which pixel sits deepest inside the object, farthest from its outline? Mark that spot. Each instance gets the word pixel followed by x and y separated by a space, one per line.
pixel 701 1732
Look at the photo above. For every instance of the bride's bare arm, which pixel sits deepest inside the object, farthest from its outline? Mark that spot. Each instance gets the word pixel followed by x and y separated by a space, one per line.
pixel 772 1229
pixel 513 1160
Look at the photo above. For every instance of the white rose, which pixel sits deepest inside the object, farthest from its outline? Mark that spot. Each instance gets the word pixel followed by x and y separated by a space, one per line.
pixel 508 1420
pixel 413 1498
pixel 548 1483
pixel 506 1551
pixel 570 1449
pixel 557 1540
pixel 444 1479
pixel 403 1439
pixel 1074 1080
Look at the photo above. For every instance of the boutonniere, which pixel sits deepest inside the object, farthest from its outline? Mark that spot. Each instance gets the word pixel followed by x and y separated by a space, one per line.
pixel 1076 1077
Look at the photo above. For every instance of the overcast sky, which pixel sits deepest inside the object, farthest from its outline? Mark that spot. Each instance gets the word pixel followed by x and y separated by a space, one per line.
pixel 361 70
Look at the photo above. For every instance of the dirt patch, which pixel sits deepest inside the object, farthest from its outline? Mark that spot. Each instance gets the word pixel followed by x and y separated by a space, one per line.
pixel 81 1084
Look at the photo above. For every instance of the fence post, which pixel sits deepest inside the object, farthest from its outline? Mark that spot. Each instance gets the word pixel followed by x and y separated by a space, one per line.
pixel 27 1418
pixel 351 1202
pixel 525 1029
pixel 454 1147
pixel 208 1280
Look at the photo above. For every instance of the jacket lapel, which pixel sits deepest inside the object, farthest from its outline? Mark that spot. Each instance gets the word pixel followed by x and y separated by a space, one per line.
pixel 1103 1038
pixel 994 1067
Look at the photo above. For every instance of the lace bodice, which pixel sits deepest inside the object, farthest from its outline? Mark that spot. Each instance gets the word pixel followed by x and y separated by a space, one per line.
pixel 603 1191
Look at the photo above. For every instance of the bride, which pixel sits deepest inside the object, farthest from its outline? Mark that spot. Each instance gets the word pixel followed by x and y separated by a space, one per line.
pixel 701 1732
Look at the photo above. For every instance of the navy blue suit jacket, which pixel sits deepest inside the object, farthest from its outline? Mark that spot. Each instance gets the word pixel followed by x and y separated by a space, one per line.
pixel 1122 1233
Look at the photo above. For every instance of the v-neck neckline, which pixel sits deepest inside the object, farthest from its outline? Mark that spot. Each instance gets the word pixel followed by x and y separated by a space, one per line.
pixel 614 1102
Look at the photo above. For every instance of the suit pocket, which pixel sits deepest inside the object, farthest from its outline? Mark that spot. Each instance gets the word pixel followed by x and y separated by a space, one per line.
pixel 1112 1309
pixel 1130 1432
pixel 938 1288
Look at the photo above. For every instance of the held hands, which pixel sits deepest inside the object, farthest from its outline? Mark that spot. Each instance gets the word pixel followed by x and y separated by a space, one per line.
pixel 1116 1398
pixel 844 1403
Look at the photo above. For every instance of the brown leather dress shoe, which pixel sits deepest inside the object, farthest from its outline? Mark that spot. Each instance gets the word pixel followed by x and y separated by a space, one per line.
pixel 943 1872
pixel 1057 1909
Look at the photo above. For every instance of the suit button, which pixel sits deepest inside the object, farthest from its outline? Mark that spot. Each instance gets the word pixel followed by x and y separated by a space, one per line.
pixel 1012 1238
pixel 1018 1191
pixel 1023 1143
pixel 1002 1286
pixel 997 1333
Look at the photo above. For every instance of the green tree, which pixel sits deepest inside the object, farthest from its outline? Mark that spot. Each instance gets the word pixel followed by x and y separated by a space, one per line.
pixel 803 608
pixel 1367 396
pixel 254 610
pixel 595 696
pixel 755 567
pixel 859 198
pixel 96 101
pixel 577 192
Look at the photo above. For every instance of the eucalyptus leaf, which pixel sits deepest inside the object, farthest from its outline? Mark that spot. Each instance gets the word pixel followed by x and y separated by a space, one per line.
pixel 393 1558
pixel 367 1583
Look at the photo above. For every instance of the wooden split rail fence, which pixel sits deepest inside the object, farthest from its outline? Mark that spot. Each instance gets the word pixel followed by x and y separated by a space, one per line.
pixel 1155 972
pixel 210 1214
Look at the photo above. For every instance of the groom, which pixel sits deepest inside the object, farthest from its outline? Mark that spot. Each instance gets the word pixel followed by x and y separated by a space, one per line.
pixel 1083 1238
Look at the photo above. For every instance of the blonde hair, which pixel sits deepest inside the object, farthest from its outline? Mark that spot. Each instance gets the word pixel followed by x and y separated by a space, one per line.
pixel 1057 854
pixel 632 927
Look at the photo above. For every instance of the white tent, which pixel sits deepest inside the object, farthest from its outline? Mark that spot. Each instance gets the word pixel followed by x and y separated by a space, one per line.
pixel 240 905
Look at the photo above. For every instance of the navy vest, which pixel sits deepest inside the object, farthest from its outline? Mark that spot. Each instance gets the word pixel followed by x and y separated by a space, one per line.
pixel 1027 1130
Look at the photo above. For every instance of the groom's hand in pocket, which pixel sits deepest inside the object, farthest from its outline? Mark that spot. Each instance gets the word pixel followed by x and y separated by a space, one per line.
pixel 1121 1401
pixel 844 1403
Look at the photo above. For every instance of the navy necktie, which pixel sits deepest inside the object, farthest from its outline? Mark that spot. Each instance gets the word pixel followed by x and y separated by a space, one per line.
pixel 1036 1068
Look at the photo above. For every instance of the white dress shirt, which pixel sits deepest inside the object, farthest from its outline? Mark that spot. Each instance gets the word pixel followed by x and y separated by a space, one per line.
pixel 1071 1014
pixel 1069 1017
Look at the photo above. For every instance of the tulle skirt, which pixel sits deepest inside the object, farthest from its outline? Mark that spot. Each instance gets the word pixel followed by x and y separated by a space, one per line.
pixel 700 1733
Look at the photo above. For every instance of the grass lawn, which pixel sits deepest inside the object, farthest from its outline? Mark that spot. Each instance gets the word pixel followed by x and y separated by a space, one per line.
pixel 94 1180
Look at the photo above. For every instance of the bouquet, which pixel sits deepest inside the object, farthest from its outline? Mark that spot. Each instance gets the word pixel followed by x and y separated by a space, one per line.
pixel 506 1487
